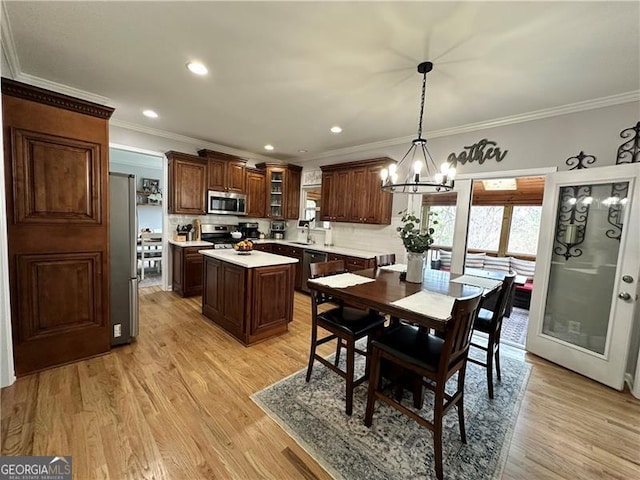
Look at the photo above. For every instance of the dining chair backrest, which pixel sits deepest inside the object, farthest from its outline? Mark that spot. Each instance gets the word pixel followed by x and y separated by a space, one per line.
pixel 323 269
pixel 501 303
pixel 458 333
pixel 384 260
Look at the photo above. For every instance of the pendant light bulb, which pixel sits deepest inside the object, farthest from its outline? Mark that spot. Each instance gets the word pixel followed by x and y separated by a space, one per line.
pixel 384 174
pixel 392 169
pixel 417 167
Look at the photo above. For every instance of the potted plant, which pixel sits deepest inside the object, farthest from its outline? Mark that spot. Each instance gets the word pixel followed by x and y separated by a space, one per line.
pixel 417 242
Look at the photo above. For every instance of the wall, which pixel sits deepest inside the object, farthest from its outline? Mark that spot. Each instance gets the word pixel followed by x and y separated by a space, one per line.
pixel 142 166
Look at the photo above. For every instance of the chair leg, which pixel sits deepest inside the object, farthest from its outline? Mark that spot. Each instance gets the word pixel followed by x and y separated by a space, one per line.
pixel 312 354
pixel 336 362
pixel 460 406
pixel 374 380
pixel 437 432
pixel 498 362
pixel 351 345
pixel 490 367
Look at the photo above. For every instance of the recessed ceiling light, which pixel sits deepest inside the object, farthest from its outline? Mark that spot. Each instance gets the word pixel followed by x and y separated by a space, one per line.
pixel 302 151
pixel 150 113
pixel 268 147
pixel 197 68
pixel 336 129
pixel 500 184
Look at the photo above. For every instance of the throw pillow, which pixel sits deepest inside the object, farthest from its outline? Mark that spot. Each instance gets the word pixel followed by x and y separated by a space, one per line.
pixel 497 264
pixel 445 258
pixel 475 260
pixel 523 267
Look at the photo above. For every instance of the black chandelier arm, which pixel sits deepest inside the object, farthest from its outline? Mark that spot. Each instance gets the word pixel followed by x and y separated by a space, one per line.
pixel 629 151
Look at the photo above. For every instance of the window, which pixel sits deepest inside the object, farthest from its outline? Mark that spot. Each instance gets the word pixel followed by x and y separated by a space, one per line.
pixel 485 225
pixel 311 202
pixel 525 228
pixel 443 230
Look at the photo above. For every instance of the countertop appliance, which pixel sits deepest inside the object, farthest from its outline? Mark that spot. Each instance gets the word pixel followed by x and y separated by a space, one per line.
pixel 277 230
pixel 308 258
pixel 249 229
pixel 226 203
pixel 123 258
pixel 219 235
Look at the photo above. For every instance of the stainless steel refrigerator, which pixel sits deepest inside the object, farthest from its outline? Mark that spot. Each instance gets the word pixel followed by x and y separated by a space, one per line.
pixel 123 255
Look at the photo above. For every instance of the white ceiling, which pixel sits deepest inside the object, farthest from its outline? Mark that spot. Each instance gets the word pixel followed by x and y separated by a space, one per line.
pixel 284 73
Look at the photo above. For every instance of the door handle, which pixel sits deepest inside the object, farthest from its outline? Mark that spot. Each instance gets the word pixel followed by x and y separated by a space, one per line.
pixel 624 296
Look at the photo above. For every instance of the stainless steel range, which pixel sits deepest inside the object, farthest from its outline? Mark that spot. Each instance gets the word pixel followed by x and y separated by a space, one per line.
pixel 219 235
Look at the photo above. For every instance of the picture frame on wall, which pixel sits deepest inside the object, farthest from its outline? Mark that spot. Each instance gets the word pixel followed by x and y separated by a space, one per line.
pixel 150 185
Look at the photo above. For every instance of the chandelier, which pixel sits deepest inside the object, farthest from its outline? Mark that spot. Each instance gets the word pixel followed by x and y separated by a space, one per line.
pixel 417 165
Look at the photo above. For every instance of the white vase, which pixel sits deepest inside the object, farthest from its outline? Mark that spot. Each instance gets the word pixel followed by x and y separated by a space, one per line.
pixel 415 267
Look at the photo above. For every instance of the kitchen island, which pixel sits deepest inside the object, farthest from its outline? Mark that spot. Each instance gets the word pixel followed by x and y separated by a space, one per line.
pixel 250 296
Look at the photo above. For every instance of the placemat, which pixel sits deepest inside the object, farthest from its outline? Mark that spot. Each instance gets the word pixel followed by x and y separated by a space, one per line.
pixel 431 304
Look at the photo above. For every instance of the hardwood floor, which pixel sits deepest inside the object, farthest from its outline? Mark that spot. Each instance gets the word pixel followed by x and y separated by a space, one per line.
pixel 176 405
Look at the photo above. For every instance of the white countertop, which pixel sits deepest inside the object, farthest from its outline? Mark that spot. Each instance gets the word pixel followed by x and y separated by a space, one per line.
pixel 199 243
pixel 253 260
pixel 318 247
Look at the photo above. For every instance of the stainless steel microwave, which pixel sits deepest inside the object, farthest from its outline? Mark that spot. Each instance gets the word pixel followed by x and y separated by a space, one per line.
pixel 224 203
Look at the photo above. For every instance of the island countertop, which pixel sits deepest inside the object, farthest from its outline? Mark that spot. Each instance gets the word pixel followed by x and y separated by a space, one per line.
pixel 253 260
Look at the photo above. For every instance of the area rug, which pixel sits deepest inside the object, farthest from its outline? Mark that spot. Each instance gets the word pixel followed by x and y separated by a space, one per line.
pixel 396 447
pixel 514 327
pixel 151 279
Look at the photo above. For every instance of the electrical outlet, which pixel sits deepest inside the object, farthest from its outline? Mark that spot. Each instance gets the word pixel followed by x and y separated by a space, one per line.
pixel 117 330
pixel 574 327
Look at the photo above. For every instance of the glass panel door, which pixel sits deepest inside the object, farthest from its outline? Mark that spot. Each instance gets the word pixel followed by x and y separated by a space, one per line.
pixel 587 266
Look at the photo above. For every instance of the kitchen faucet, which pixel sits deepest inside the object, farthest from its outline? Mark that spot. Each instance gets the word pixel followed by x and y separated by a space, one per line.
pixel 308 227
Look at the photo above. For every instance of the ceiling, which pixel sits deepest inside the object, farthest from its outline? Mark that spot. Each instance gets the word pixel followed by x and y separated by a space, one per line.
pixel 284 73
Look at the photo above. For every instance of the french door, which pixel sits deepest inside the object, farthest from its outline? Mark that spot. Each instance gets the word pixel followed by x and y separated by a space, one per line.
pixel 587 267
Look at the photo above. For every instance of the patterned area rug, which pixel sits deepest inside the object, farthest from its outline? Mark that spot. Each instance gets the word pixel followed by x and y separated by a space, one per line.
pixel 151 279
pixel 514 328
pixel 396 447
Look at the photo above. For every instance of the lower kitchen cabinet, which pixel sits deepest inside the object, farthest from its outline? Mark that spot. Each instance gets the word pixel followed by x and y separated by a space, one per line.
pixel 353 264
pixel 293 252
pixel 252 304
pixel 263 247
pixel 187 270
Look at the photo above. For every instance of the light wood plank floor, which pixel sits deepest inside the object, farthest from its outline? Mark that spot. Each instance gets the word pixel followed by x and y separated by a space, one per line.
pixel 175 405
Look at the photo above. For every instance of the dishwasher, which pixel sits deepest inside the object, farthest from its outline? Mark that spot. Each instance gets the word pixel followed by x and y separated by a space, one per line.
pixel 310 257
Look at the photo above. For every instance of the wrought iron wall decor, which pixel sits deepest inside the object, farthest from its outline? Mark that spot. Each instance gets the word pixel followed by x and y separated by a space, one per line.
pixel 571 224
pixel 477 153
pixel 580 161
pixel 629 151
pixel 617 201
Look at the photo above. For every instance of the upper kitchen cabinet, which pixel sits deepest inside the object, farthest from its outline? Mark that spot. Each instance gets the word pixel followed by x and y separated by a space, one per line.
pixel 256 193
pixel 226 173
pixel 351 193
pixel 282 190
pixel 187 183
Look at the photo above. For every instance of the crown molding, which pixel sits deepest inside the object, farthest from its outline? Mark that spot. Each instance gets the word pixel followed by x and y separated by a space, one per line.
pixel 62 88
pixel 628 97
pixel 198 143
pixel 8 45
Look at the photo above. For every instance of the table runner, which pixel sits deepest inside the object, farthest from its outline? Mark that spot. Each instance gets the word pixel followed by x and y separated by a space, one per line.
pixel 342 280
pixel 431 304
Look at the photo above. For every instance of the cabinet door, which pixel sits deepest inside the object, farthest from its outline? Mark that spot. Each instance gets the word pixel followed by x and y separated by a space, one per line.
pixel 293 252
pixel 256 192
pixel 327 189
pixel 263 247
pixel 341 206
pixel 236 177
pixel 292 194
pixel 275 192
pixel 193 263
pixel 176 270
pixel 217 174
pixel 213 293
pixel 233 281
pixel 187 184
pixel 272 287
pixel 360 206
pixel 380 203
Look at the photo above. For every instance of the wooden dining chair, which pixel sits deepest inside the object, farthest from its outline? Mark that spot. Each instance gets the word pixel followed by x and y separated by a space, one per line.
pixel 490 322
pixel 347 325
pixel 433 360
pixel 384 260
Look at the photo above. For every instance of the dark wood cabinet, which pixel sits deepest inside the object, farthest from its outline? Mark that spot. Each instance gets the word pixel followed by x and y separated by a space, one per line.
pixel 282 198
pixel 187 184
pixel 226 173
pixel 293 252
pixel 56 164
pixel 256 193
pixel 353 264
pixel 252 304
pixel 351 193
pixel 263 247
pixel 187 270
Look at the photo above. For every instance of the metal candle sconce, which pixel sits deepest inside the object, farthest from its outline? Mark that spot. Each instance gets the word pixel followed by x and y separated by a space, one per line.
pixel 571 225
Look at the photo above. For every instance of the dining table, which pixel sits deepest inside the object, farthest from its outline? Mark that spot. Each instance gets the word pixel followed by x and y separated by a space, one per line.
pixel 388 287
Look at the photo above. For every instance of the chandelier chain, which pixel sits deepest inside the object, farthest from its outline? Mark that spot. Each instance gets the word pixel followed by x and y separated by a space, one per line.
pixel 424 91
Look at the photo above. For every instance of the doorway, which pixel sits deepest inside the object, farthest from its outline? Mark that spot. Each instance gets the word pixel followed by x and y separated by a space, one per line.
pixel 149 180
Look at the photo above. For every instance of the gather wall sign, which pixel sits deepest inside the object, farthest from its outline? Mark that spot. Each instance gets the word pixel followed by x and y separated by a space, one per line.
pixel 479 152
